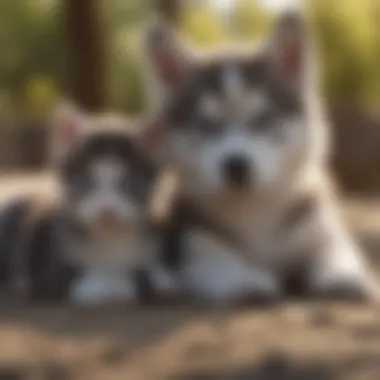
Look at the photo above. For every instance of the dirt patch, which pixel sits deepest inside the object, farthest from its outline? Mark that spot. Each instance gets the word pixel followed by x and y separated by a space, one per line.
pixel 319 341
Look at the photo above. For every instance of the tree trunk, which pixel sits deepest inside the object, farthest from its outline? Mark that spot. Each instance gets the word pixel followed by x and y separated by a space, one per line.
pixel 87 55
pixel 170 9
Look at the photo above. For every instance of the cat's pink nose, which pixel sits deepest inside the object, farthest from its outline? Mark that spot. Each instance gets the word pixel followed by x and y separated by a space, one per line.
pixel 108 216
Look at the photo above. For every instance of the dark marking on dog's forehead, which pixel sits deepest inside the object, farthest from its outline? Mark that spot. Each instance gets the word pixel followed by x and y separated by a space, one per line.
pixel 254 74
pixel 211 75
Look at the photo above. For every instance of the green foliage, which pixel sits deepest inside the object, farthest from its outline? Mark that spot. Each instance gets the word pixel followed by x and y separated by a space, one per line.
pixel 40 94
pixel 202 26
pixel 31 48
pixel 123 24
pixel 33 67
pixel 348 39
pixel 127 88
pixel 250 21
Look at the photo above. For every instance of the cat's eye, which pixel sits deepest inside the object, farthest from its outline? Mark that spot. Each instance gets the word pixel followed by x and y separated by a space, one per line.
pixel 125 183
pixel 131 186
pixel 80 184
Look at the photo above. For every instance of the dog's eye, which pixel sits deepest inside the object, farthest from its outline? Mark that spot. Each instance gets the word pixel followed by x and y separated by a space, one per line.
pixel 264 119
pixel 209 126
pixel 206 125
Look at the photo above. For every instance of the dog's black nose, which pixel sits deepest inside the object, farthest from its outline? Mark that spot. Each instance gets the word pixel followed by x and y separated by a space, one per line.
pixel 237 171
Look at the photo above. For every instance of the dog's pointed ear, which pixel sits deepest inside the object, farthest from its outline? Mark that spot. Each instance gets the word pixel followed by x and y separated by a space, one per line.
pixel 289 48
pixel 68 125
pixel 167 55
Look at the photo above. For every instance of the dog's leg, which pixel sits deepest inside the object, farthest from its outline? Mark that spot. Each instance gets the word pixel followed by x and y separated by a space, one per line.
pixel 213 273
pixel 339 269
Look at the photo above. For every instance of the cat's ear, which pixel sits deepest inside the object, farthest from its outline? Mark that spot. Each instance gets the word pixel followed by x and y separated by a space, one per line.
pixel 68 124
pixel 152 137
pixel 289 48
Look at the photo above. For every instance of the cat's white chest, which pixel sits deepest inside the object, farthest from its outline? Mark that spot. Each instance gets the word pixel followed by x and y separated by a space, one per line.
pixel 123 253
pixel 107 271
pixel 97 287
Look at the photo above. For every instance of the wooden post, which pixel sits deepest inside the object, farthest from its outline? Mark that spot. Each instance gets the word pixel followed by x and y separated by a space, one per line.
pixel 87 54
pixel 170 9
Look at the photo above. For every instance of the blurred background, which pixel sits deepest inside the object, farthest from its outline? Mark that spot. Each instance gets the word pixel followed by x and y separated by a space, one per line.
pixel 89 50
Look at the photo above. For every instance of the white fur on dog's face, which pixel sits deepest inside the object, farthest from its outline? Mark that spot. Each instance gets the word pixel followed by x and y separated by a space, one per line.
pixel 236 123
pixel 267 158
pixel 242 121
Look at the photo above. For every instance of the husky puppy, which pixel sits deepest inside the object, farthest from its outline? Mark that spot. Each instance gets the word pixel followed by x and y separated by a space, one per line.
pixel 247 135
pixel 92 245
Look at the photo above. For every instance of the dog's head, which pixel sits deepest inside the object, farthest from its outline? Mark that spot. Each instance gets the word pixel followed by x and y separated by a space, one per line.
pixel 233 123
pixel 105 179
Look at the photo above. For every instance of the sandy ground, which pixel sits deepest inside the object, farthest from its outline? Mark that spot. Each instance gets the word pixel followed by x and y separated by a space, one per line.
pixel 316 341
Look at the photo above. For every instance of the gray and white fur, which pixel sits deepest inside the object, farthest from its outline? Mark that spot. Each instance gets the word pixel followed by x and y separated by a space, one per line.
pixel 247 134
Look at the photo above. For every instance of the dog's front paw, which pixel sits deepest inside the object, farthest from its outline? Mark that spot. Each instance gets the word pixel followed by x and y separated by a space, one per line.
pixel 251 288
pixel 342 273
